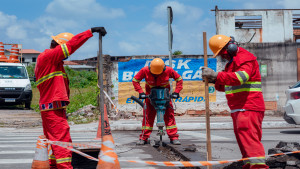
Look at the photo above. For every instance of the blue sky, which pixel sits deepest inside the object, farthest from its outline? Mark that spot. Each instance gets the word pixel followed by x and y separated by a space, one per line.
pixel 134 27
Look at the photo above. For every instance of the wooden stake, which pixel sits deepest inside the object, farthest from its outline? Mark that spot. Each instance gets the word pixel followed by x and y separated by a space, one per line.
pixel 207 115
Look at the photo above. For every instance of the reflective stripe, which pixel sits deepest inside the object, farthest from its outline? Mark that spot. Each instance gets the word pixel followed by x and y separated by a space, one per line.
pixel 52 157
pixel 236 110
pixel 149 85
pixel 242 76
pixel 49 76
pixel 165 85
pixel 247 87
pixel 171 127
pixel 178 79
pixel 65 50
pixel 258 161
pixel 63 160
pixel 147 128
pixel 134 79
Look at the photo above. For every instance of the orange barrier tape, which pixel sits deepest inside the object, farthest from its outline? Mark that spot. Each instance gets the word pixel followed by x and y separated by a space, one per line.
pixel 79 145
pixel 163 163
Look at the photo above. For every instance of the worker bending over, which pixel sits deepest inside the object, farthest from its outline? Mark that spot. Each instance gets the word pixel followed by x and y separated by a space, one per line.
pixel 157 75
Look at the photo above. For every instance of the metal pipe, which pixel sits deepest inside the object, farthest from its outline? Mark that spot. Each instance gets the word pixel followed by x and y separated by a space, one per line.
pixel 170 40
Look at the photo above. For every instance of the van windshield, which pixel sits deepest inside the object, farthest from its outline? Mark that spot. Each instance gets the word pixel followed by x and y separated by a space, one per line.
pixel 13 72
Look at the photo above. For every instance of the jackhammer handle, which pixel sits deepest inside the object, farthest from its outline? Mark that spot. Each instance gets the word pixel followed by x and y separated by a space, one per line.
pixel 137 100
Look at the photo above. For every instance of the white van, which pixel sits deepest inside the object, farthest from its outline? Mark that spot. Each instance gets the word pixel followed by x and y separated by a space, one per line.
pixel 15 87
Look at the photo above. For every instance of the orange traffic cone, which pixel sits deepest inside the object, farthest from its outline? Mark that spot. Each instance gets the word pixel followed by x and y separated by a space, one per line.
pixel 2 54
pixel 107 130
pixel 41 159
pixel 14 54
pixel 108 158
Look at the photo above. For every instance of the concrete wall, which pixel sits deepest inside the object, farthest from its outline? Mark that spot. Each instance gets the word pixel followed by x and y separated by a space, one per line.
pixel 281 61
pixel 277 25
pixel 218 103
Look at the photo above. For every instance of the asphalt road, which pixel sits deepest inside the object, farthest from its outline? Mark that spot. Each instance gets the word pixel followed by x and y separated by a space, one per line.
pixel 17 146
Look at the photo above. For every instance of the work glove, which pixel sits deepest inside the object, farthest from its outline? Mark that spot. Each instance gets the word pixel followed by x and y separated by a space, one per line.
pixel 142 96
pixel 100 30
pixel 175 95
pixel 209 73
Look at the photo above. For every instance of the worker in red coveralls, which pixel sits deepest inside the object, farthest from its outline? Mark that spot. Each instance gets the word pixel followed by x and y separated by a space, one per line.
pixel 241 82
pixel 157 75
pixel 53 84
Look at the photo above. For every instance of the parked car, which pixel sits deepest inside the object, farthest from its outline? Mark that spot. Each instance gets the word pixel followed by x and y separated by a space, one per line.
pixel 292 106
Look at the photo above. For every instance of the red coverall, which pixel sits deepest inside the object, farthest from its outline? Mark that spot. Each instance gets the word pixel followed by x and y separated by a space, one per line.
pixel 53 85
pixel 161 80
pixel 241 82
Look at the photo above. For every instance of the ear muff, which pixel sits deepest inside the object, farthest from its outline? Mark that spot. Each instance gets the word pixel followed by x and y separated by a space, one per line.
pixel 232 47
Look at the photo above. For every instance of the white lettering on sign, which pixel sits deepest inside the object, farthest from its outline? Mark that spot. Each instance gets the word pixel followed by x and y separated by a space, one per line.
pixel 183 63
pixel 187 74
pixel 198 74
pixel 127 76
pixel 173 63
pixel 147 63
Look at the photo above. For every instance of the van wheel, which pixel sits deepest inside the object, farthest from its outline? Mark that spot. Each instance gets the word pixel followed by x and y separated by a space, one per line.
pixel 27 105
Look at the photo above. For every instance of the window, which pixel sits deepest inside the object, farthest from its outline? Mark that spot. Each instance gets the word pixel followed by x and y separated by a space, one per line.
pixel 248 22
pixel 34 59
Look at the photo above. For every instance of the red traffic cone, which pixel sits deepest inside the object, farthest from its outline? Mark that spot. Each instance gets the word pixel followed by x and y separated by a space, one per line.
pixel 41 159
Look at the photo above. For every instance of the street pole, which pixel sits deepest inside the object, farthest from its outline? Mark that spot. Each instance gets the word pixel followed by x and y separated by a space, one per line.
pixel 100 80
pixel 170 40
pixel 207 115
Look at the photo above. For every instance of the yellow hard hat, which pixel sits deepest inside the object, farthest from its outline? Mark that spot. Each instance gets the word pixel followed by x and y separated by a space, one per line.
pixel 157 66
pixel 62 38
pixel 217 43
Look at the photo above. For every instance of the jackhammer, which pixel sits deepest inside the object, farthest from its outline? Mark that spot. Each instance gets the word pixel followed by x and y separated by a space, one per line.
pixel 160 99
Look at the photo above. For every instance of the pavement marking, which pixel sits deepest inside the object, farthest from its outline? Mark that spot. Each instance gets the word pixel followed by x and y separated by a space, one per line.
pixel 18 152
pixel 34 141
pixel 201 135
pixel 16 145
pixel 16 161
pixel 33 137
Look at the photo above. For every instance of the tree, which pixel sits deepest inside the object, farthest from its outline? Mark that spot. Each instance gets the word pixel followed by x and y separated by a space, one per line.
pixel 177 52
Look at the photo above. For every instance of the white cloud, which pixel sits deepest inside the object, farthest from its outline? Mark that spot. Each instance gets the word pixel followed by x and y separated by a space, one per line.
pixel 52 26
pixel 16 32
pixel 156 29
pixel 6 20
pixel 129 48
pixel 179 9
pixel 79 9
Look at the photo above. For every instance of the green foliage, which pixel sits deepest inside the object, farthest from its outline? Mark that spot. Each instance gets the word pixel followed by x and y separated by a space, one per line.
pixel 81 79
pixel 177 52
pixel 30 70
pixel 82 98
